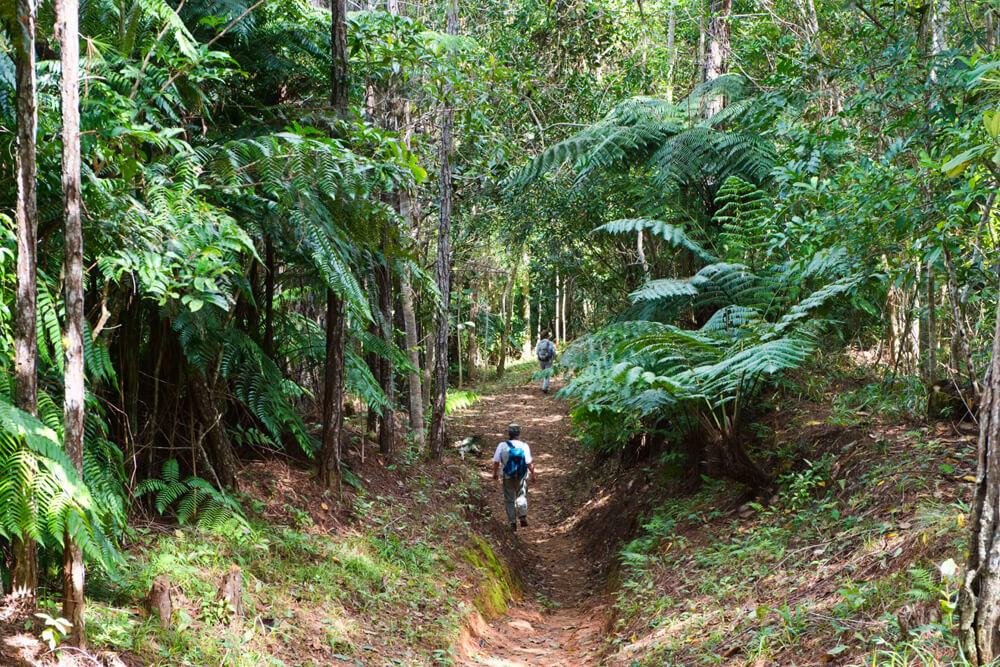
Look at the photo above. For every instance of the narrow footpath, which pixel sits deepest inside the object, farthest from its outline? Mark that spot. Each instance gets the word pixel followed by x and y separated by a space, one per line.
pixel 558 620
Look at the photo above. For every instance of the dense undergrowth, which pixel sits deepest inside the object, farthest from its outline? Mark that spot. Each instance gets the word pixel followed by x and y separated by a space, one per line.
pixel 389 582
pixel 852 561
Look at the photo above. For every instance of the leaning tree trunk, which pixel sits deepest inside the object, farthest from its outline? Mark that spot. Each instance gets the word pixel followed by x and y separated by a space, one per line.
pixel 443 268
pixel 67 26
pixel 979 598
pixel 24 577
pixel 333 383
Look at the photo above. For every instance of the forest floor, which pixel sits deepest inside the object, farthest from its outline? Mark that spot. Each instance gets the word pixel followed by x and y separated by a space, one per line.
pixel 634 564
pixel 559 617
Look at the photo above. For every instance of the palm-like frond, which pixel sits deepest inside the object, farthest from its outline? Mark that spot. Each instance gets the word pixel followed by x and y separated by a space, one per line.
pixel 674 235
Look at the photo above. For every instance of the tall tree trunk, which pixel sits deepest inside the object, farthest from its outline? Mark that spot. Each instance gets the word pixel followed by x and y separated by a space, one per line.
pixel 67 27
pixel 387 419
pixel 333 393
pixel 473 351
pixel 939 33
pixel 269 278
pixel 415 391
pixel 508 313
pixel 429 344
pixel 979 598
pixel 333 382
pixel 443 268
pixel 556 316
pixel 24 577
pixel 671 52
pixel 717 51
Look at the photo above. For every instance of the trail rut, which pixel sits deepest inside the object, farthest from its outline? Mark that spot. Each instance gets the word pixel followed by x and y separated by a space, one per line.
pixel 559 619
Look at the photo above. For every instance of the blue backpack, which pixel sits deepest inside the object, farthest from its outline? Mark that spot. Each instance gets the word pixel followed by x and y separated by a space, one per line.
pixel 516 466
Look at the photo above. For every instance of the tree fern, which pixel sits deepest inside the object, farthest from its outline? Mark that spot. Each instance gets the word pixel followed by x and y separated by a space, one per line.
pixel 196 500
pixel 674 235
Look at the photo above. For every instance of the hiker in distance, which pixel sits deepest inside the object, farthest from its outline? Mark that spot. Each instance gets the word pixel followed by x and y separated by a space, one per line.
pixel 546 353
pixel 513 459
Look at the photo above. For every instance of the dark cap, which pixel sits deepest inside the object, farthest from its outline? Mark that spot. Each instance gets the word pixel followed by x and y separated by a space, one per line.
pixel 513 430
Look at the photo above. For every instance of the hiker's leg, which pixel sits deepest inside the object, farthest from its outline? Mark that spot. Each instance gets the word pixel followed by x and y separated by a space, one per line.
pixel 509 497
pixel 521 502
pixel 545 380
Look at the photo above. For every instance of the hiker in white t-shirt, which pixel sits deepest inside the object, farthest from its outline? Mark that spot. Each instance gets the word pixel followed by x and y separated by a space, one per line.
pixel 546 353
pixel 513 459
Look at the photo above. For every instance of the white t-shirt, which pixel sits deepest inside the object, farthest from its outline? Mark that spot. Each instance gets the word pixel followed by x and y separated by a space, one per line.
pixel 501 455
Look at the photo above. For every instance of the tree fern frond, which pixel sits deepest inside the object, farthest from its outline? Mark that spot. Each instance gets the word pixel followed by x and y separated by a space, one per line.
pixel 674 235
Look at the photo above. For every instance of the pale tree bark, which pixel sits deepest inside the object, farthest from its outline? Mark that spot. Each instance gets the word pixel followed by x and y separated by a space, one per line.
pixel 415 392
pixel 979 598
pixel 556 316
pixel 671 52
pixel 24 575
pixel 333 383
pixel 717 51
pixel 443 268
pixel 68 29
pixel 508 313
pixel 939 33
pixel 640 248
pixel 990 23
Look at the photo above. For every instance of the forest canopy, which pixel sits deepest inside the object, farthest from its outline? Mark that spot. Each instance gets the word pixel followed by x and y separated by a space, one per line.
pixel 240 231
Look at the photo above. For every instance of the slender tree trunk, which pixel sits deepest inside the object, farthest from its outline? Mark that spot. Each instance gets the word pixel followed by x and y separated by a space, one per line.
pixel 430 345
pixel 67 27
pixel 990 22
pixel 565 317
pixel 556 315
pixel 333 383
pixel 24 577
pixel 269 278
pixel 458 335
pixel 333 393
pixel 939 33
pixel 671 52
pixel 717 51
pixel 443 268
pixel 415 391
pixel 387 420
pixel 473 351
pixel 508 311
pixel 979 598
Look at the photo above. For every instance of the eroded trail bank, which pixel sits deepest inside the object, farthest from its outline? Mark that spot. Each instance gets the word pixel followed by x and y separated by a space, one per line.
pixel 560 616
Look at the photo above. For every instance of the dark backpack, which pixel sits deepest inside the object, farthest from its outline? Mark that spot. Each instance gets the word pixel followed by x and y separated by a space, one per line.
pixel 547 352
pixel 516 466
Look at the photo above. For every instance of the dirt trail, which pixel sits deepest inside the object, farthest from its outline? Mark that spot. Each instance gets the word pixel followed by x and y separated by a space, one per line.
pixel 559 619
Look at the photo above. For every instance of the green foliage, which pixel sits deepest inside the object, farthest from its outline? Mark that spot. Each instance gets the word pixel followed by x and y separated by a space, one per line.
pixel 196 500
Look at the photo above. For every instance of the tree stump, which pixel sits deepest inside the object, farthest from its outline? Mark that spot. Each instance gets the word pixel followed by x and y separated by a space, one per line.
pixel 158 599
pixel 231 590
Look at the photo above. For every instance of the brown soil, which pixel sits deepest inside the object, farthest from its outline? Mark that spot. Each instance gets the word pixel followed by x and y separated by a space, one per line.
pixel 560 616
